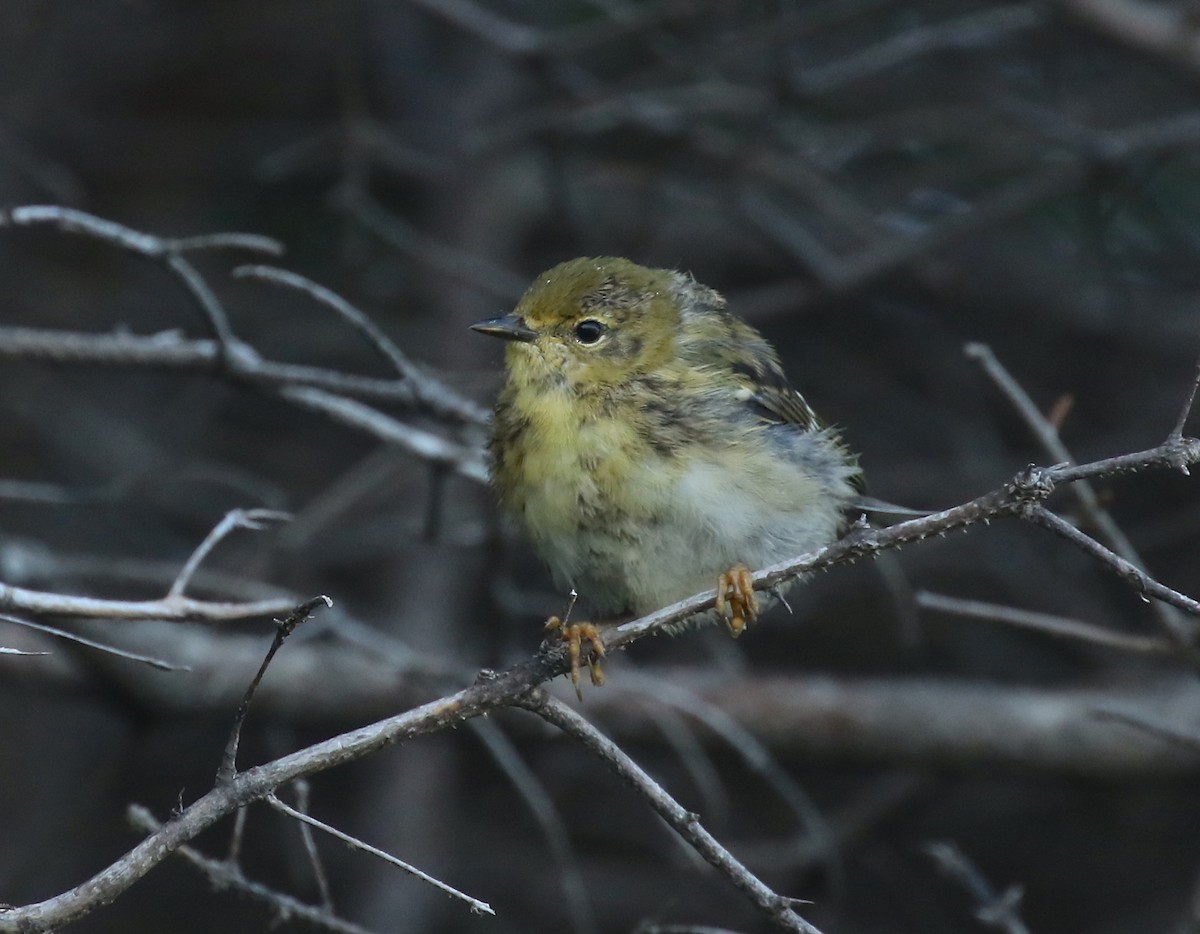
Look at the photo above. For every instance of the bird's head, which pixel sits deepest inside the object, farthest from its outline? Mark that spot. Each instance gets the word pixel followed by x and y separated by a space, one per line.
pixel 591 323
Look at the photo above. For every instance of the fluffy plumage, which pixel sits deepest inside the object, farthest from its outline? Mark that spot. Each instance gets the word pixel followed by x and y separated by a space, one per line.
pixel 649 440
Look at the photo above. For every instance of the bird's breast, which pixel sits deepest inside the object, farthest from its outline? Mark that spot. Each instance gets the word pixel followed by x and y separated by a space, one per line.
pixel 565 463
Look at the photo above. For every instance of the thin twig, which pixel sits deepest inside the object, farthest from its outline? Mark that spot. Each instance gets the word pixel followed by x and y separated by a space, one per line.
pixel 302 789
pixel 540 804
pixel 171 350
pixel 1058 626
pixel 1183 633
pixel 477 906
pixel 237 837
pixel 254 519
pixel 91 644
pixel 43 603
pixel 466 460
pixel 237 359
pixel 968 31
pixel 234 354
pixel 778 908
pixel 1155 727
pixel 378 340
pixel 224 874
pixel 6 650
pixel 758 758
pixel 1047 434
pixel 228 767
pixel 163 250
pixel 430 393
pixel 253 243
pixel 996 911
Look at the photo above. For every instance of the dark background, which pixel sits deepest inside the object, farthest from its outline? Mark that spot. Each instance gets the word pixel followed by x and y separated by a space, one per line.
pixel 872 183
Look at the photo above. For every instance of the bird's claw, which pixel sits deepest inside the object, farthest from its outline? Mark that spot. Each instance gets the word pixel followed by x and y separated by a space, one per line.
pixel 736 602
pixel 574 635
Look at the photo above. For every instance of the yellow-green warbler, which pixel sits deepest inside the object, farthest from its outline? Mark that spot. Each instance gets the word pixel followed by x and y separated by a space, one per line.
pixel 651 445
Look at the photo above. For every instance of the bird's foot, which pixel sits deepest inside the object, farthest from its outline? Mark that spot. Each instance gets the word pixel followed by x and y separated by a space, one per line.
pixel 574 635
pixel 735 599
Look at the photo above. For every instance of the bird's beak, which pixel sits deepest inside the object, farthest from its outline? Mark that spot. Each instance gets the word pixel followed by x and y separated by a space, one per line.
pixel 506 327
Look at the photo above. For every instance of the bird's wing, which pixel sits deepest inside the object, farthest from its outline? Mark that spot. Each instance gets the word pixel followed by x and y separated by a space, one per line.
pixel 762 380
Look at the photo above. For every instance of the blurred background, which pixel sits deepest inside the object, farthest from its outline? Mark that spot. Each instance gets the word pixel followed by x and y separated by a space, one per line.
pixel 872 183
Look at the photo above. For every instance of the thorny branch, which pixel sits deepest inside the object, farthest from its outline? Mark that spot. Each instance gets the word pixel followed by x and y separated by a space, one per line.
pixel 1021 497
pixel 340 396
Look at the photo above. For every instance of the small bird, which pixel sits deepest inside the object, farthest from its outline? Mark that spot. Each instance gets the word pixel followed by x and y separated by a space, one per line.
pixel 651 445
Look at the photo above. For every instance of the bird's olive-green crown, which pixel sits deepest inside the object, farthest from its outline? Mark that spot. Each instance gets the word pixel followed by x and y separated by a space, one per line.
pixel 599 322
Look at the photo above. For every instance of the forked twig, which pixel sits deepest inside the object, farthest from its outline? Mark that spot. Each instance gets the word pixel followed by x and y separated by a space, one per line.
pixel 778 908
pixel 254 519
pixel 225 874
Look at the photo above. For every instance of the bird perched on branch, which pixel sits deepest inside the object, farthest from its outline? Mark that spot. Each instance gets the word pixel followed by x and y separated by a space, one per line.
pixel 651 445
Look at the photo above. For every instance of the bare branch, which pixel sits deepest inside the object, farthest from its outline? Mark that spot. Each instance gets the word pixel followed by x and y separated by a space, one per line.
pixel 228 767
pixel 91 644
pixel 170 350
pixel 1182 632
pixel 168 252
pixel 1052 444
pixel 1056 626
pixel 1021 497
pixel 938 724
pixel 303 793
pixel 430 393
pixel 254 519
pixel 251 243
pixel 224 874
pixel 475 904
pixel 41 603
pixel 466 460
pixel 777 908
pixel 554 828
pixel 995 911
pixel 1149 722
pixel 969 31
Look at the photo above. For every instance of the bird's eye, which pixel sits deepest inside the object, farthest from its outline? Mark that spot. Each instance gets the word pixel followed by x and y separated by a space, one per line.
pixel 589 331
